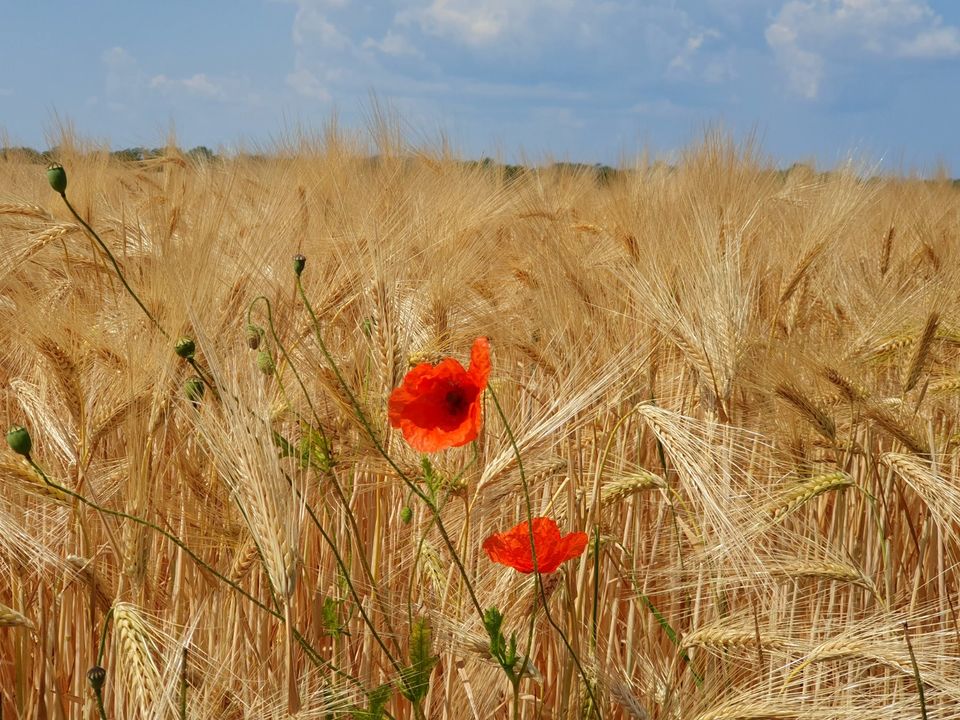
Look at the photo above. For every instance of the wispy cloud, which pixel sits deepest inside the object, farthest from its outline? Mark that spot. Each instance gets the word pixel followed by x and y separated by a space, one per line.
pixel 808 36
pixel 199 85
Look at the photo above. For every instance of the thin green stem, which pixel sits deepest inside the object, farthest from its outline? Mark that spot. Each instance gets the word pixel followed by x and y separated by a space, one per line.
pixel 916 672
pixel 116 265
pixel 341 496
pixel 543 595
pixel 98 695
pixel 197 559
pixel 103 634
pixel 361 415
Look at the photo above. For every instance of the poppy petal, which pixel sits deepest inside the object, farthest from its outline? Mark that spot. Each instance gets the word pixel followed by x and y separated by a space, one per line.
pixel 437 407
pixel 480 361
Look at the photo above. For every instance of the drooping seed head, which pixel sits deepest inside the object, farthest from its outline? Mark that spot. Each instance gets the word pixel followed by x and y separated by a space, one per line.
pixel 95 676
pixel 254 335
pixel 299 261
pixel 185 348
pixel 57 177
pixel 18 438
pixel 406 514
pixel 193 389
pixel 265 362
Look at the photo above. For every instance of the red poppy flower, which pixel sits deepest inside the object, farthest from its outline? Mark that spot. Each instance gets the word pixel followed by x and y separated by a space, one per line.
pixel 512 548
pixel 438 406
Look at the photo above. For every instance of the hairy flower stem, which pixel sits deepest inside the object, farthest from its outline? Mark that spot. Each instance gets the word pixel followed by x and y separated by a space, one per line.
pixel 130 290
pixel 101 710
pixel 116 265
pixel 341 496
pixel 362 416
pixel 916 672
pixel 301 640
pixel 533 551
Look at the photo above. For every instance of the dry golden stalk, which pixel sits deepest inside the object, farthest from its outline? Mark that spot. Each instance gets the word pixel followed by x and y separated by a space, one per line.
pixel 25 210
pixel 748 711
pixel 623 487
pixel 136 653
pixel 587 228
pixel 850 390
pixel 85 572
pixel 824 571
pixel 797 495
pixel 65 371
pixel 800 272
pixel 815 415
pixel 886 250
pixel 14 466
pixel 945 386
pixel 244 559
pixel 893 427
pixel 922 351
pixel 726 639
pixel 11 618
pixel 887 346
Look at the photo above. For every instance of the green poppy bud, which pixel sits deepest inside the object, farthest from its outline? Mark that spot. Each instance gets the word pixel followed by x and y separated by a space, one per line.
pixel 57 177
pixel 265 362
pixel 95 676
pixel 298 263
pixel 406 514
pixel 185 348
pixel 193 388
pixel 254 335
pixel 18 438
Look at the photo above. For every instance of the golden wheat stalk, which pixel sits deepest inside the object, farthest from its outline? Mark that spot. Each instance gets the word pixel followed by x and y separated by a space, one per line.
pixel 11 618
pixel 137 654
pixel 897 430
pixel 922 351
pixel 814 414
pixel 615 491
pixel 25 210
pixel 723 640
pixel 797 495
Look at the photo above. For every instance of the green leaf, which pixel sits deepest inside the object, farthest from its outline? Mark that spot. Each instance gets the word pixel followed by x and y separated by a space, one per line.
pixel 416 678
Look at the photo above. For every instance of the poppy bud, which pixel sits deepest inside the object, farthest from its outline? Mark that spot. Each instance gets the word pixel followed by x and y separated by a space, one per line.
pixel 18 438
pixel 406 514
pixel 254 334
pixel 193 388
pixel 95 676
pixel 185 348
pixel 265 362
pixel 298 263
pixel 57 177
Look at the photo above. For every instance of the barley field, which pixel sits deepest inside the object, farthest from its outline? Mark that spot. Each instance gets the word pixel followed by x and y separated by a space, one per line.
pixel 741 383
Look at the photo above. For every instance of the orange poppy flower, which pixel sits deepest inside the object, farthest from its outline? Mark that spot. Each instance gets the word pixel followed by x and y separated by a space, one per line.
pixel 512 548
pixel 438 406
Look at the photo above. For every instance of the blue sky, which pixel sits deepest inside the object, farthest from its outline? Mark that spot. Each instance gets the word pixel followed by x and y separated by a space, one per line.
pixel 584 80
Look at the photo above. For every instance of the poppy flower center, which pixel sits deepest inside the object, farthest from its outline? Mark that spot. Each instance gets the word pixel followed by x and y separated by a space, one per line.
pixel 456 401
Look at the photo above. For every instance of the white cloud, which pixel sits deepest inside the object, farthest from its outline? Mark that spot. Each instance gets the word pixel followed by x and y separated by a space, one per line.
pixel 481 22
pixel 940 42
pixel 394 44
pixel 198 84
pixel 681 61
pixel 305 83
pixel 807 35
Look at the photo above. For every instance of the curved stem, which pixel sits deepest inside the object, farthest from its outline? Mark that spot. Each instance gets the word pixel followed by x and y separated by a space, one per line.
pixel 380 449
pixel 315 658
pixel 338 489
pixel 543 595
pixel 116 265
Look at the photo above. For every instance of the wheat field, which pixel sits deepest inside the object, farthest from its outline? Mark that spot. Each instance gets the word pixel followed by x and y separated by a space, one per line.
pixel 742 384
